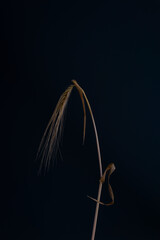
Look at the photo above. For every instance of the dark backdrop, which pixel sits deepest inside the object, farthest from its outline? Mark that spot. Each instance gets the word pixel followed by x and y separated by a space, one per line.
pixel 112 49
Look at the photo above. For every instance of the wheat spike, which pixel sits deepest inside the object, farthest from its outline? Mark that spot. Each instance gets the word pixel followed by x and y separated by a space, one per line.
pixel 51 137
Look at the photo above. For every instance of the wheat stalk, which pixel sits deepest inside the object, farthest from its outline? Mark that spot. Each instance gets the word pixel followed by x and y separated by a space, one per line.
pixel 51 138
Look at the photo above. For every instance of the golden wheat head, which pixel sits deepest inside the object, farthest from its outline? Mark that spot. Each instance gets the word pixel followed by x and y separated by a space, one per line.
pixel 50 140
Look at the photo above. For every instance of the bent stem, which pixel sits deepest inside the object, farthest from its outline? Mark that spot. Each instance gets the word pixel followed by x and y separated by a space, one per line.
pixel 94 125
pixel 99 158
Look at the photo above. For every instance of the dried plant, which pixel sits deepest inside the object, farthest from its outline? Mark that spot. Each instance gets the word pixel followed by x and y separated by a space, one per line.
pixel 50 142
pixel 51 137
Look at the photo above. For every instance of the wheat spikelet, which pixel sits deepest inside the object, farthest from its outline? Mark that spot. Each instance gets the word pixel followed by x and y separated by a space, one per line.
pixel 51 137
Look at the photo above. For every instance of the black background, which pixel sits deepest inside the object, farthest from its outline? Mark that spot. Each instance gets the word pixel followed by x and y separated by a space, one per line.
pixel 112 49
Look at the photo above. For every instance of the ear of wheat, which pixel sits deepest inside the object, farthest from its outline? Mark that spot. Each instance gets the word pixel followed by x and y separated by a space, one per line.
pixel 51 137
pixel 50 143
